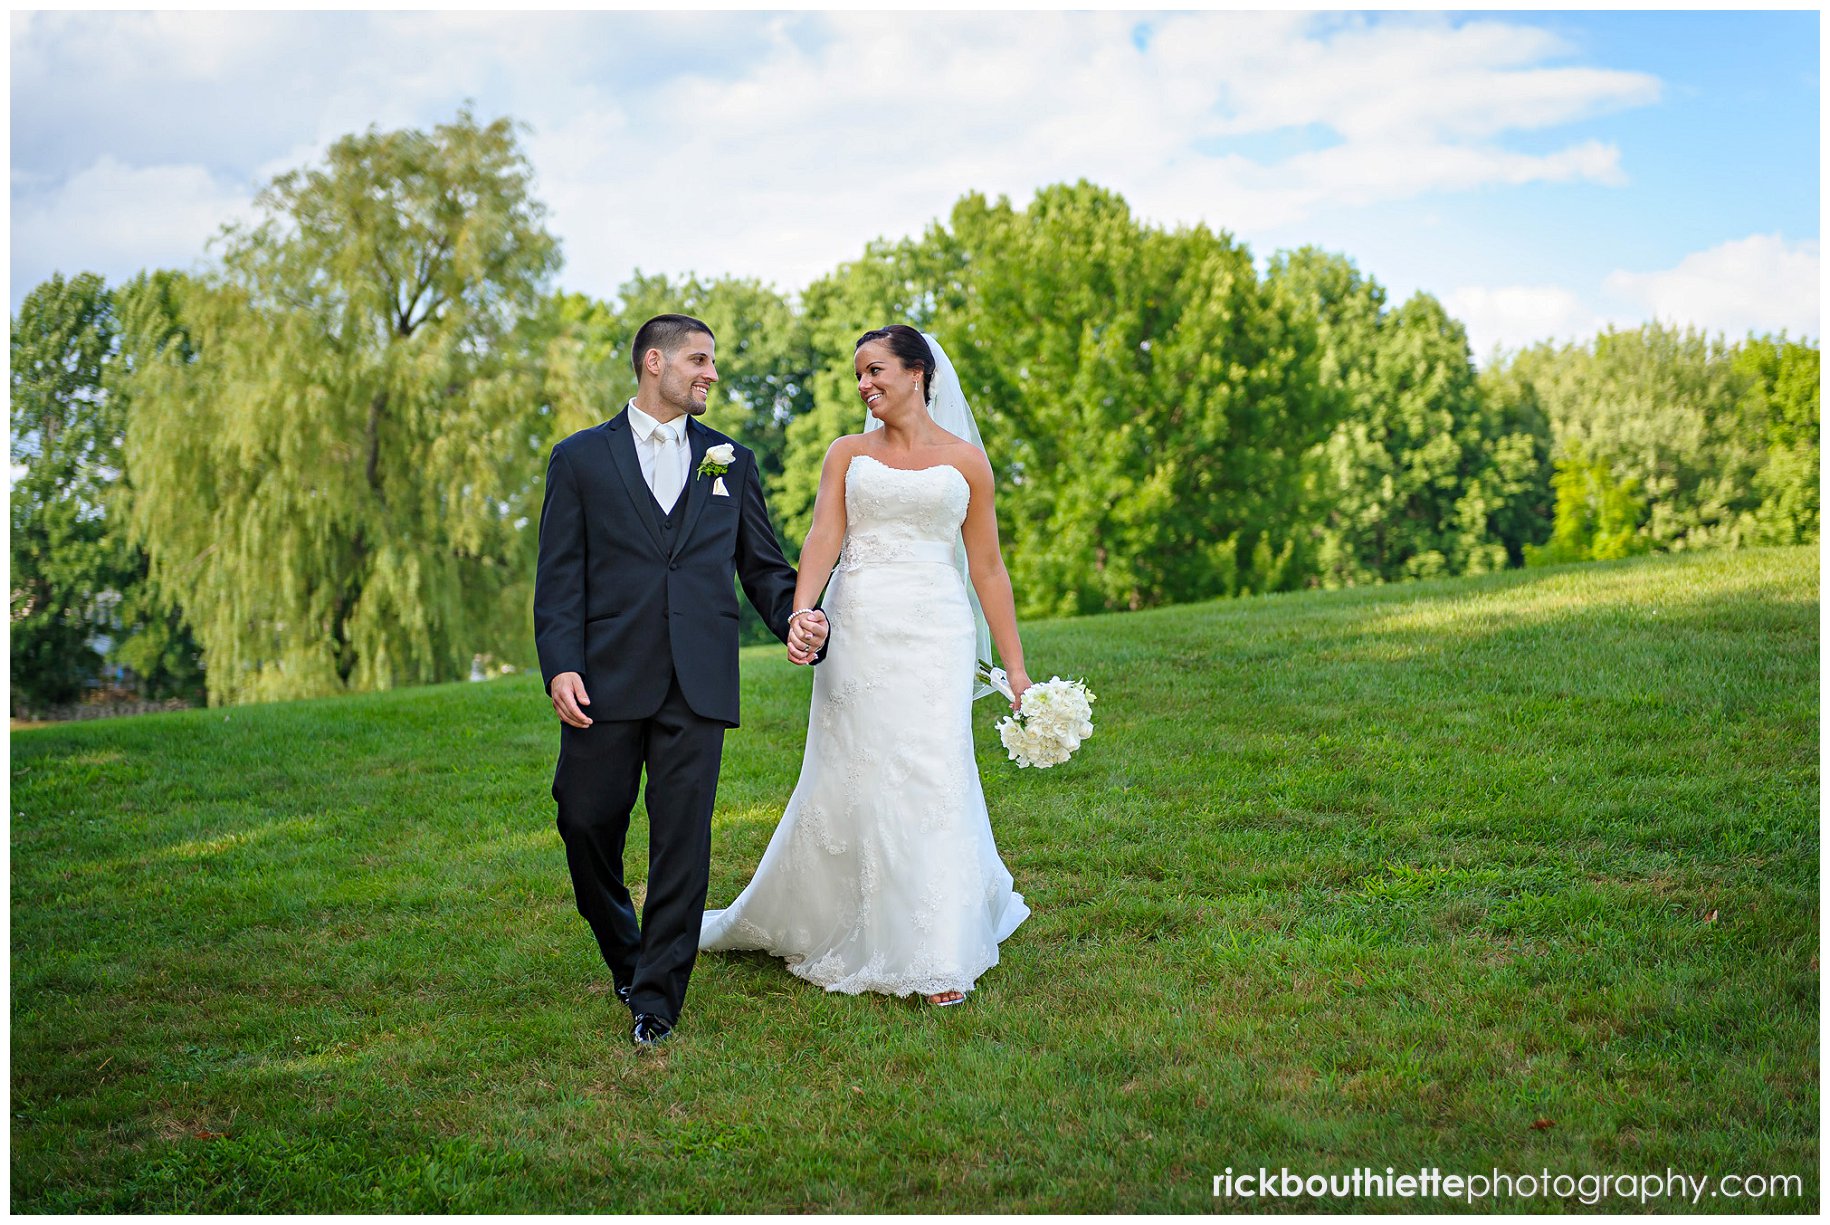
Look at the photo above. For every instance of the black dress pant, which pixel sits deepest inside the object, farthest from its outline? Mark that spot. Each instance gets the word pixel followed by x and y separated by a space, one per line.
pixel 595 784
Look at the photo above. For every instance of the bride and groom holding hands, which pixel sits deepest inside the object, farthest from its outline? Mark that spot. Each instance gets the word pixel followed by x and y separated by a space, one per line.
pixel 882 874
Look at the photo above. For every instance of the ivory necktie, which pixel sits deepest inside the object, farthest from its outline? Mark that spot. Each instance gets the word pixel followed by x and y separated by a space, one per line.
pixel 668 474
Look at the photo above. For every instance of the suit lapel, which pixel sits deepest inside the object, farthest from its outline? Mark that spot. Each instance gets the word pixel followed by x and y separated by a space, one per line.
pixel 697 492
pixel 621 441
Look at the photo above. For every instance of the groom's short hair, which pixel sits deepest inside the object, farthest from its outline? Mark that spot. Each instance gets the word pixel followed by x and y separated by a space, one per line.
pixel 666 333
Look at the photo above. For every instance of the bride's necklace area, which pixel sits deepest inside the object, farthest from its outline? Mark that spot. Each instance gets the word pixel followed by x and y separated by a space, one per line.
pixel 908 457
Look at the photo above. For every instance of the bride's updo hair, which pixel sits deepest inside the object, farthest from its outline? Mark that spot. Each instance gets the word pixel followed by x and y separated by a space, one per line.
pixel 910 349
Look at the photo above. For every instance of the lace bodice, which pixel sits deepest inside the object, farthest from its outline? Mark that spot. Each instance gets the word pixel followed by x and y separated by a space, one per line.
pixel 901 513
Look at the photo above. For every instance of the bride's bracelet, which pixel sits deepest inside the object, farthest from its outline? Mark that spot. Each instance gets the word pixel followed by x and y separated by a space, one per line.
pixel 800 612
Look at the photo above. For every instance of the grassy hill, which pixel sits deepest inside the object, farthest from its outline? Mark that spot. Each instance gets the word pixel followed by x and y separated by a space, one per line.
pixel 1518 872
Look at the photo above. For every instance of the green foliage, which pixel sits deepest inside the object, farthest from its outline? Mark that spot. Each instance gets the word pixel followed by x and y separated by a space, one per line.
pixel 1514 486
pixel 764 355
pixel 1425 472
pixel 338 485
pixel 1140 396
pixel 1144 401
pixel 156 640
pixel 1429 434
pixel 1783 390
pixel 890 283
pixel 65 436
pixel 1597 516
pixel 78 578
pixel 1667 409
pixel 324 458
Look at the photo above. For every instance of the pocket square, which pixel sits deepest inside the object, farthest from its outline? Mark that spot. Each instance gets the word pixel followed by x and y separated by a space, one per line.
pixel 718 489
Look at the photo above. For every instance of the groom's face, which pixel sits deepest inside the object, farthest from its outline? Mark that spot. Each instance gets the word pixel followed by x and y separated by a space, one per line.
pixel 687 374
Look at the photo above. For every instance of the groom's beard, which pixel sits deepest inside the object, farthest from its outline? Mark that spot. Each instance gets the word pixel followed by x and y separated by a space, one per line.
pixel 684 400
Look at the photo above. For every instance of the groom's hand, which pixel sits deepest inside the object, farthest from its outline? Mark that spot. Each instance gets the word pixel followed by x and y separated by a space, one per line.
pixel 568 695
pixel 806 635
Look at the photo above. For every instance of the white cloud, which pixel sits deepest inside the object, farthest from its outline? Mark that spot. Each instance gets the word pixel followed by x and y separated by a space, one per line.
pixel 793 163
pixel 1359 175
pixel 1514 316
pixel 1760 283
pixel 776 145
pixel 1420 75
pixel 116 219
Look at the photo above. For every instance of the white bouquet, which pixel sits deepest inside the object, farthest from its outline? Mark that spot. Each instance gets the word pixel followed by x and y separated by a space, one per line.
pixel 1051 721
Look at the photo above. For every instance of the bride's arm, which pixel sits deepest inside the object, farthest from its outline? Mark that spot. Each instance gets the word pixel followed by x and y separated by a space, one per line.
pixel 820 551
pixel 989 577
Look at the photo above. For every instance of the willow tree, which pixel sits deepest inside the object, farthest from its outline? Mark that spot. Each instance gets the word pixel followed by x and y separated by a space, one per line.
pixel 337 479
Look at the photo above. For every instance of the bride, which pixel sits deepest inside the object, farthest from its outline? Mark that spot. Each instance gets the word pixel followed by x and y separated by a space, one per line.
pixel 883 875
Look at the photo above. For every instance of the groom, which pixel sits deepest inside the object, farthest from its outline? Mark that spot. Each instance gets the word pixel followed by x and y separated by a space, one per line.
pixel 646 519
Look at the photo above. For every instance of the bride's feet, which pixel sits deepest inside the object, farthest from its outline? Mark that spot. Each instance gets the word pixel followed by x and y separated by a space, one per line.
pixel 946 998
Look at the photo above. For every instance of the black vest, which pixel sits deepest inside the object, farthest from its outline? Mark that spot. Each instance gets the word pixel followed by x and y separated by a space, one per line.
pixel 669 520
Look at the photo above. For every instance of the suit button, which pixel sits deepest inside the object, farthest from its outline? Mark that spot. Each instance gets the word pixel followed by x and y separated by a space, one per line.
pixel 673 565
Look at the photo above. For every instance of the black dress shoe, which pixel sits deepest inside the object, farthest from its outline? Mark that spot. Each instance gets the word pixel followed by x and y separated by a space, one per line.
pixel 650 1030
pixel 622 993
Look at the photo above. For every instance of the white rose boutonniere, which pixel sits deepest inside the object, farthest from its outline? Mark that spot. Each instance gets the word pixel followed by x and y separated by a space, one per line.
pixel 718 460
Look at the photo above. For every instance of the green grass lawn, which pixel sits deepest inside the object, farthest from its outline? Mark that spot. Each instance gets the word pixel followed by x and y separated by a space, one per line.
pixel 1517 872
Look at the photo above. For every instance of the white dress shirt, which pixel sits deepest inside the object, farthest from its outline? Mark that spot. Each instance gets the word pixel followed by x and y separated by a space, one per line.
pixel 664 454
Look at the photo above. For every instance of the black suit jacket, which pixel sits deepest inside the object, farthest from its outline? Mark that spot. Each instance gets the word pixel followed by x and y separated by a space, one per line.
pixel 613 605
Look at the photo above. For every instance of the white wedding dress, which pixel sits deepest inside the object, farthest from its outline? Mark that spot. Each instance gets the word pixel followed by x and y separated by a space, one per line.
pixel 883 875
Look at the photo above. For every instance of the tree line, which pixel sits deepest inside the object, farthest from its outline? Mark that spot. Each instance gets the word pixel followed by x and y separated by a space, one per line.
pixel 315 466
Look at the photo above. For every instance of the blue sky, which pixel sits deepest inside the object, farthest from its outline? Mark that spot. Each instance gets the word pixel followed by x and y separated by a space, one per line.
pixel 1544 173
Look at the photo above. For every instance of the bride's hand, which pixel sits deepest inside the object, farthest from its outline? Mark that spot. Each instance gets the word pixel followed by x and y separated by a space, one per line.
pixel 806 635
pixel 1018 681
